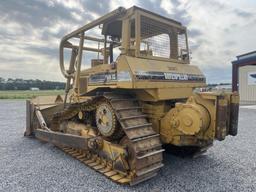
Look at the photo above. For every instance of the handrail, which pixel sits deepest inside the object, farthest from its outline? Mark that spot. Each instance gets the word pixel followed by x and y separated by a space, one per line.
pixel 117 12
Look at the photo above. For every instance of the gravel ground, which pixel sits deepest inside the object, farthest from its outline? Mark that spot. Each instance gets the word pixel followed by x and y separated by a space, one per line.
pixel 30 165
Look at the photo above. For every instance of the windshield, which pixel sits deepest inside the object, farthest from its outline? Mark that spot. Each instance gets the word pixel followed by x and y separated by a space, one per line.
pixel 162 40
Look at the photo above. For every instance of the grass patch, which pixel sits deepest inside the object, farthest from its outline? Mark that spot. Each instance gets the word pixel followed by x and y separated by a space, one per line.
pixel 28 94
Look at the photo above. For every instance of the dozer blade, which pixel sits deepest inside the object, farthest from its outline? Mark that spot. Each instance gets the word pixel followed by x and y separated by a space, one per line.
pixel 63 140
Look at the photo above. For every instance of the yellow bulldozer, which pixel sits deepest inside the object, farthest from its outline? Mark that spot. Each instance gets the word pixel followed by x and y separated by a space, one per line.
pixel 137 97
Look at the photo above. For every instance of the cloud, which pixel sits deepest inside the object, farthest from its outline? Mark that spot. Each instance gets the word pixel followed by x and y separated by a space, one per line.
pixel 243 13
pixel 35 13
pixel 30 32
pixel 99 7
pixel 194 33
pixel 218 33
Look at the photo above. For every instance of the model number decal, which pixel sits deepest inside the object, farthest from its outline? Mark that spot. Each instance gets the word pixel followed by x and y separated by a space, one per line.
pixel 151 75
pixel 173 76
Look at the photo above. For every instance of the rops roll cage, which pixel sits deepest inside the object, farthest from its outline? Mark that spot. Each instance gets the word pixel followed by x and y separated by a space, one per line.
pixel 76 54
pixel 73 71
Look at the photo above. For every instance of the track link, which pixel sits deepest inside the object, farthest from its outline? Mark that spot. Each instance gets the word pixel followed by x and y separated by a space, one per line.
pixel 143 139
pixel 98 164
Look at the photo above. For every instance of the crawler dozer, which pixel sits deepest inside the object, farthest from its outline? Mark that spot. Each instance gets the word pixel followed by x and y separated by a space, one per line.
pixel 138 96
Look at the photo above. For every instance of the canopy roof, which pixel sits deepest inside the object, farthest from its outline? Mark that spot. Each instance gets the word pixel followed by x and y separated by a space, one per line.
pixel 114 28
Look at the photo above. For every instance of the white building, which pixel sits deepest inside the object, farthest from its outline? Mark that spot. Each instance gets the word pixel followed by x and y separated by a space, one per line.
pixel 34 89
pixel 244 77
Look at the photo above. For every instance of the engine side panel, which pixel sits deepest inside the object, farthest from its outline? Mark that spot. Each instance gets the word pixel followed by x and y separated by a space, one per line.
pixel 152 80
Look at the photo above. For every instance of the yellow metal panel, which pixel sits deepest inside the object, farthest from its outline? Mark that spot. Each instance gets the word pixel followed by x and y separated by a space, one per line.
pixel 139 64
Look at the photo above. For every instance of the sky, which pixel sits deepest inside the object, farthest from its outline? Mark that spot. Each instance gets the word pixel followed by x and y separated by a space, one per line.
pixel 30 32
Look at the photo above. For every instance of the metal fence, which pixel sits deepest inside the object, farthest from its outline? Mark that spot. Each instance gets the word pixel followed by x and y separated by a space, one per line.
pixel 161 40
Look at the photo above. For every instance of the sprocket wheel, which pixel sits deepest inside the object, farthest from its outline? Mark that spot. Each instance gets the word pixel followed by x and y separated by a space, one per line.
pixel 106 121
